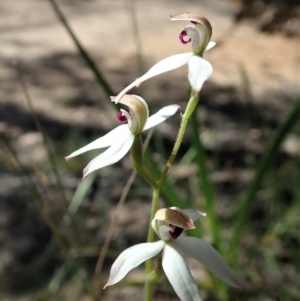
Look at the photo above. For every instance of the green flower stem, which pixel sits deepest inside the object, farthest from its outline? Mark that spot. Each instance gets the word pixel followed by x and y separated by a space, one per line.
pixel 138 163
pixel 193 101
pixel 137 156
pixel 148 284
pixel 151 236
pixel 155 197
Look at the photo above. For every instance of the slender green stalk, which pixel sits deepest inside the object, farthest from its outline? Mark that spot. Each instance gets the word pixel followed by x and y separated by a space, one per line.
pixel 193 101
pixel 271 150
pixel 99 77
pixel 171 197
pixel 151 236
pixel 154 208
pixel 137 156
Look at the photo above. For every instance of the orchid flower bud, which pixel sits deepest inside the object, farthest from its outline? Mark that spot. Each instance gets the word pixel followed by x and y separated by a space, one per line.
pixel 199 32
pixel 169 223
pixel 137 115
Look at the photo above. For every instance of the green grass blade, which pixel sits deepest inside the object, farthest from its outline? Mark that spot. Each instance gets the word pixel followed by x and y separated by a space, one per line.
pixel 131 7
pixel 78 197
pixel 268 156
pixel 204 181
pixel 99 77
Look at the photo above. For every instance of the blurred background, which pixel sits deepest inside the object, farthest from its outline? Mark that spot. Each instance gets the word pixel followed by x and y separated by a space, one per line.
pixel 54 99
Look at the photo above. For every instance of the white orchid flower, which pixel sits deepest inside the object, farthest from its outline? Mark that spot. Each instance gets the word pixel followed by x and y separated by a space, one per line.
pixel 168 224
pixel 120 139
pixel 200 70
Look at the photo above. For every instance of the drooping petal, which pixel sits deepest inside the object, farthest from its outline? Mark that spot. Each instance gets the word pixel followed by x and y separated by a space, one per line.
pixel 194 214
pixel 199 71
pixel 179 275
pixel 105 141
pixel 112 155
pixel 167 64
pixel 131 258
pixel 208 256
pixel 161 116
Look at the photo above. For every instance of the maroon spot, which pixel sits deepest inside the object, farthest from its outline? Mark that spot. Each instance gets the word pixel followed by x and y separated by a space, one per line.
pixel 121 117
pixel 182 35
pixel 175 231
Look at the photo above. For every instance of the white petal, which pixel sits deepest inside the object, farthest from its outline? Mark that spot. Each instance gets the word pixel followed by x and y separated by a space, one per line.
pixel 164 232
pixel 161 116
pixel 155 227
pixel 208 256
pixel 168 64
pixel 131 258
pixel 210 45
pixel 104 141
pixel 199 71
pixel 112 155
pixel 194 214
pixel 179 275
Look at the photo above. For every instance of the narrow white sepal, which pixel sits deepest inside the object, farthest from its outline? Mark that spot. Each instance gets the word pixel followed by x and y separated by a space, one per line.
pixel 161 116
pixel 105 141
pixel 167 64
pixel 208 256
pixel 131 258
pixel 210 45
pixel 194 214
pixel 112 155
pixel 179 275
pixel 199 71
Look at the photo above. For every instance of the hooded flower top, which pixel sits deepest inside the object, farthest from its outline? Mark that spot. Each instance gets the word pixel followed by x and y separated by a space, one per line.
pixel 199 33
pixel 120 139
pixel 169 224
